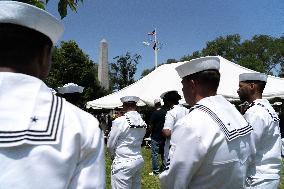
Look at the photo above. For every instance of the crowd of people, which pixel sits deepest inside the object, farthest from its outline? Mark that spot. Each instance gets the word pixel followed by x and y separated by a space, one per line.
pixel 46 142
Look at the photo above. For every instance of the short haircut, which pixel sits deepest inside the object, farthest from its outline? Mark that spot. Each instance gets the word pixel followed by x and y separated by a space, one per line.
pixel 172 96
pixel 260 85
pixel 20 45
pixel 129 104
pixel 208 79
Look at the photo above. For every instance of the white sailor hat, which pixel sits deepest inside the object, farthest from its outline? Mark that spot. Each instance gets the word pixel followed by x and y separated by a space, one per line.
pixel 129 99
pixel 198 65
pixel 29 16
pixel 252 77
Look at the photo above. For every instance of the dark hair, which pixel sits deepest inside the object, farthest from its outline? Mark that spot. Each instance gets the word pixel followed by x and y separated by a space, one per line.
pixel 172 96
pixel 208 79
pixel 260 84
pixel 20 45
pixel 130 104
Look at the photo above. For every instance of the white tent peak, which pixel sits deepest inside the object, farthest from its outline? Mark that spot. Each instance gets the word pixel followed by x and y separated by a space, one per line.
pixel 165 78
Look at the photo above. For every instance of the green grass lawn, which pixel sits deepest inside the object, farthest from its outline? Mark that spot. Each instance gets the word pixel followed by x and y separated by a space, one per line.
pixel 148 182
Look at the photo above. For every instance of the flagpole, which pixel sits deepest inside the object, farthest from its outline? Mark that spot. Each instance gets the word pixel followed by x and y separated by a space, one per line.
pixel 156 45
pixel 156 49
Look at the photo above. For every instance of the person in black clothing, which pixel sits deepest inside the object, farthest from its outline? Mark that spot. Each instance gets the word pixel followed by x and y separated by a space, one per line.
pixel 157 139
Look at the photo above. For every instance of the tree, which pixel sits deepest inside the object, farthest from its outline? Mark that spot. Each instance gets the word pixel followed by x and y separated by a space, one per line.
pixel 71 65
pixel 262 53
pixel 123 70
pixel 171 60
pixel 226 47
pixel 281 50
pixel 62 5
pixel 146 72
pixel 195 54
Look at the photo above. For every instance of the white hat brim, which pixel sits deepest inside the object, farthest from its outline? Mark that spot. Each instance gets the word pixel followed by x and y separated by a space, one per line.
pixel 29 16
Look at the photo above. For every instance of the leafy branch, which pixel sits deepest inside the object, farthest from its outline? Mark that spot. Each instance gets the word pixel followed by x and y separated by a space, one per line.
pixel 62 5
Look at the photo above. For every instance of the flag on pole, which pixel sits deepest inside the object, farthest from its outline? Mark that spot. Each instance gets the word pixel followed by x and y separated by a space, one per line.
pixel 152 33
pixel 146 43
pixel 154 47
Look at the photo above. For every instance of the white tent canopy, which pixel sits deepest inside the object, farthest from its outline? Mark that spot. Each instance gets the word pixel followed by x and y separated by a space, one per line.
pixel 165 78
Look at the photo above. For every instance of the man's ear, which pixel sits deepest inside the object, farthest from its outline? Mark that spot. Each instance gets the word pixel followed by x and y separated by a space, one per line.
pixel 44 59
pixel 253 88
pixel 252 85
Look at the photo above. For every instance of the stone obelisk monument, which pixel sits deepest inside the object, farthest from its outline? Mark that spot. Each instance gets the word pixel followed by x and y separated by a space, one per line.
pixel 103 74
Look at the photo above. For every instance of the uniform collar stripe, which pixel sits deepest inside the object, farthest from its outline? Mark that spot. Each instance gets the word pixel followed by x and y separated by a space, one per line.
pixel 35 131
pixel 273 116
pixel 134 126
pixel 230 135
pixel 49 134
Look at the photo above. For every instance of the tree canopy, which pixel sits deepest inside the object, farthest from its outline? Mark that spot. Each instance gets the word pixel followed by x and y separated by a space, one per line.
pixel 72 65
pixel 281 50
pixel 261 53
pixel 123 70
pixel 147 71
pixel 62 5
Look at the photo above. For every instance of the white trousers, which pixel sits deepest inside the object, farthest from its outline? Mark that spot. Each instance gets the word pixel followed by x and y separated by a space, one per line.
pixel 166 151
pixel 259 183
pixel 126 173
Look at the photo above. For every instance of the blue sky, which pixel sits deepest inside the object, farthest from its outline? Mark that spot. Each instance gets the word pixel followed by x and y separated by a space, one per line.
pixel 183 26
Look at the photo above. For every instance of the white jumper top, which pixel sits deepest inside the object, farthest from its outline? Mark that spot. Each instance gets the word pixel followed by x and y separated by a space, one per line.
pixel 210 148
pixel 126 136
pixel 46 142
pixel 266 135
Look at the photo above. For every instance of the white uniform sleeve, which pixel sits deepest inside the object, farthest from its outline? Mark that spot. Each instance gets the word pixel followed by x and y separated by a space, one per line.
pixel 113 136
pixel 185 156
pixel 90 172
pixel 169 121
pixel 257 122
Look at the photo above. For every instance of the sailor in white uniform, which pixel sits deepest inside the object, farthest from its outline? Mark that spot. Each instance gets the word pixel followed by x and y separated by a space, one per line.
pixel 45 142
pixel 210 146
pixel 176 111
pixel 266 134
pixel 124 144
